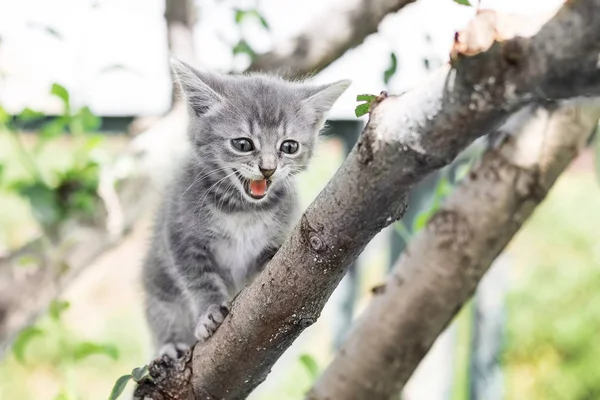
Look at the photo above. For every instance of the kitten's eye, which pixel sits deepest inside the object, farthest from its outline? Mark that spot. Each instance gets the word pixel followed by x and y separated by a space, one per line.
pixel 289 147
pixel 243 145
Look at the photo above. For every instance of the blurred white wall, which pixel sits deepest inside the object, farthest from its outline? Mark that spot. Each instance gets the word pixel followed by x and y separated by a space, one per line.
pixel 112 54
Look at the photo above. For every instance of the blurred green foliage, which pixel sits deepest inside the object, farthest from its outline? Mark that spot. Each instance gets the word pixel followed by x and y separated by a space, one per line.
pixel 63 350
pixel 54 196
pixel 553 348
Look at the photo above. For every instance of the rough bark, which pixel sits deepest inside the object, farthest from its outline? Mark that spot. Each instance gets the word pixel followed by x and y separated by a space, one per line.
pixel 328 37
pixel 441 267
pixel 407 137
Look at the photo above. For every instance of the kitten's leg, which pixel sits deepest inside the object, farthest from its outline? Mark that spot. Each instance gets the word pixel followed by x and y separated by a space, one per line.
pixel 171 324
pixel 206 287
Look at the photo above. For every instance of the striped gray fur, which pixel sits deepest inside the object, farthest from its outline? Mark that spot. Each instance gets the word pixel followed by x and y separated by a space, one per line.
pixel 210 236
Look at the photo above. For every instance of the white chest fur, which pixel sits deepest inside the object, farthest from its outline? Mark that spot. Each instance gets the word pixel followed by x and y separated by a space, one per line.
pixel 244 237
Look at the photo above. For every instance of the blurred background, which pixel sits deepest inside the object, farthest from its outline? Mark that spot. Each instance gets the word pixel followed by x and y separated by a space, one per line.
pixel 89 131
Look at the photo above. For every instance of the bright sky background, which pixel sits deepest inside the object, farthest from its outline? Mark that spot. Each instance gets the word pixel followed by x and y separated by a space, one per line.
pixel 100 36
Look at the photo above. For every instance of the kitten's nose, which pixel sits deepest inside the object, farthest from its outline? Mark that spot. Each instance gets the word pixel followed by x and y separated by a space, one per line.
pixel 267 172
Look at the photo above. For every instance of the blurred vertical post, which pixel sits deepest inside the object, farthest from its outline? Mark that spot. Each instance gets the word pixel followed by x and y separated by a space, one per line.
pixel 486 380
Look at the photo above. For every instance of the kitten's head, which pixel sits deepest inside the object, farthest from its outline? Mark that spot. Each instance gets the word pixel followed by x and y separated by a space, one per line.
pixel 258 129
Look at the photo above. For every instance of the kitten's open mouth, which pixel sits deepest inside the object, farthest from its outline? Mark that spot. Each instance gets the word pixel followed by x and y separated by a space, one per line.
pixel 256 189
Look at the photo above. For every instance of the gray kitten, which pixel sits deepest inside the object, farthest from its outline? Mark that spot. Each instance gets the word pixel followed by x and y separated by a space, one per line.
pixel 233 202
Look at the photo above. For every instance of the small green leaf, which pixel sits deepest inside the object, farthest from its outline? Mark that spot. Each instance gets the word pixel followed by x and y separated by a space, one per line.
pixel 366 97
pixel 57 307
pixel 43 201
pixel 421 220
pixel 139 373
pixel 239 16
pixel 463 2
pixel 28 115
pixel 443 188
pixel 23 339
pixel 244 47
pixel 54 128
pixel 2 169
pixel 60 91
pixel 391 70
pixel 361 110
pixel 89 121
pixel 119 387
pixel 86 349
pixel 311 365
pixel 264 22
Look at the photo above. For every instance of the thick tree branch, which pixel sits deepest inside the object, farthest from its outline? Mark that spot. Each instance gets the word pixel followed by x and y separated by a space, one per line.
pixel 407 137
pixel 441 267
pixel 328 37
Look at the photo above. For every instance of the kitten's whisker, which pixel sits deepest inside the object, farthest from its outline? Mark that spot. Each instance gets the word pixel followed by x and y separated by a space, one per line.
pixel 199 179
pixel 209 189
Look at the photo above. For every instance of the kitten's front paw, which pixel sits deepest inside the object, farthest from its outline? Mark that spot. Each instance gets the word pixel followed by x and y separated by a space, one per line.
pixel 210 321
pixel 173 350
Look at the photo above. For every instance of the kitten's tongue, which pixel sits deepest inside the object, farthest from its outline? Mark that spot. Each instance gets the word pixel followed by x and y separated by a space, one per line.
pixel 258 188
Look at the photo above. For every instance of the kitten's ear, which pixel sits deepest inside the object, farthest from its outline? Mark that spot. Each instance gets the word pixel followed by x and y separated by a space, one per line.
pixel 321 98
pixel 195 87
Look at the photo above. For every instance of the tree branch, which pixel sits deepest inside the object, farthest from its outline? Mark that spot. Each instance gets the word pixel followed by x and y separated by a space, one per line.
pixel 442 266
pixel 327 38
pixel 407 137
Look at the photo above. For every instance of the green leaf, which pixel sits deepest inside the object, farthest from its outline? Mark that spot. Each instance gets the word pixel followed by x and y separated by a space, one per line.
pixel 443 188
pixel 139 373
pixel 264 22
pixel 89 121
pixel 60 91
pixel 2 169
pixel 22 341
pixel 43 201
pixel 421 220
pixel 54 128
pixel 86 349
pixel 311 365
pixel 239 16
pixel 57 307
pixel 363 109
pixel 463 2
pixel 244 47
pixel 391 70
pixel 120 385
pixel 366 97
pixel 28 115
